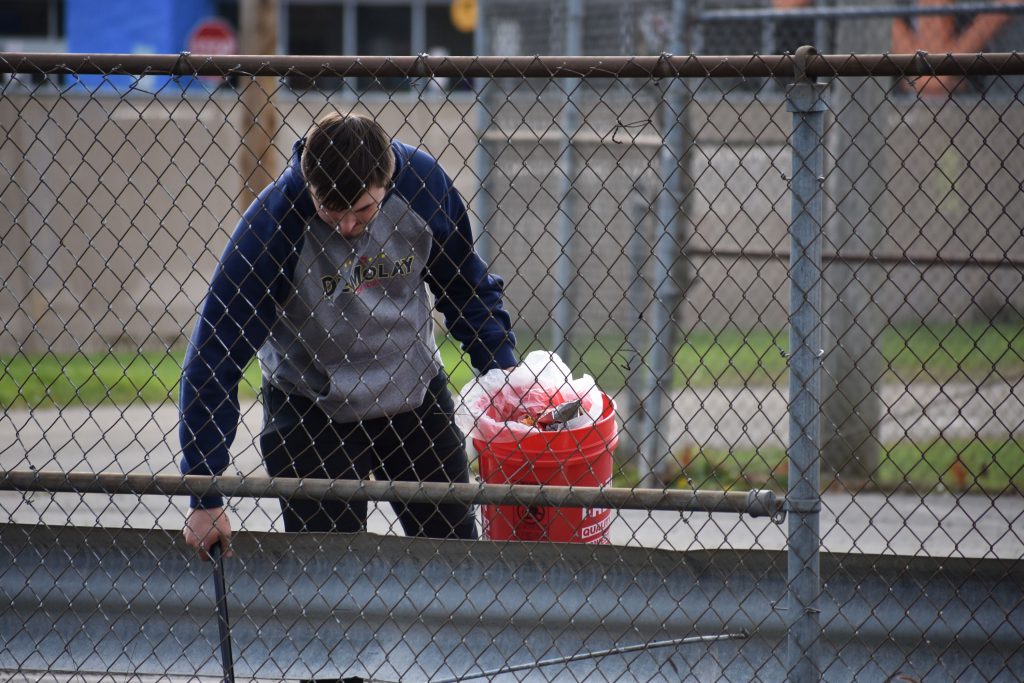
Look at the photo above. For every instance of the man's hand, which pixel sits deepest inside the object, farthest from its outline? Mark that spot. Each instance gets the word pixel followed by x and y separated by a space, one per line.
pixel 205 528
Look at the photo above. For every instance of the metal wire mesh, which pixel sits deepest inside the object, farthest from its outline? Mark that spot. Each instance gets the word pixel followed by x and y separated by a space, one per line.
pixel 768 281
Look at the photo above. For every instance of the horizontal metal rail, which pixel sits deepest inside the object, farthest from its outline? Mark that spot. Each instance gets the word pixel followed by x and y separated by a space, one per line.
pixel 887 260
pixel 425 66
pixel 756 503
pixel 726 15
pixel 627 649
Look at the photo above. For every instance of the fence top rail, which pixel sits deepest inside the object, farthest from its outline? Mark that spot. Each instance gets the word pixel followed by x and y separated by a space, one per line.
pixel 553 66
pixel 856 11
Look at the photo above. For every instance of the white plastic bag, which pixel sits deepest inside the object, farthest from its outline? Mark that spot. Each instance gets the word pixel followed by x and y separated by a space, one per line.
pixel 501 406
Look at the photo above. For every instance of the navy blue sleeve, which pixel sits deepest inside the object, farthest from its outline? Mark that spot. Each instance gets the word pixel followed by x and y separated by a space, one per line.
pixel 467 295
pixel 235 320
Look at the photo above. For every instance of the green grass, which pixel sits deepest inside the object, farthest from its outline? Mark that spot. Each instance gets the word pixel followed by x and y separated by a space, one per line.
pixel 934 353
pixel 991 465
pixel 97 379
pixel 974 352
pixel 940 353
pixel 704 359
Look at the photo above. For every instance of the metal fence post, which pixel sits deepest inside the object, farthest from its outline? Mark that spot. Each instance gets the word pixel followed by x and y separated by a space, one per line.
pixel 660 356
pixel 808 106
pixel 485 155
pixel 564 316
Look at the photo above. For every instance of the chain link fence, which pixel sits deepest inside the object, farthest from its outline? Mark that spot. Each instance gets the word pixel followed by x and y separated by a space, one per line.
pixel 800 302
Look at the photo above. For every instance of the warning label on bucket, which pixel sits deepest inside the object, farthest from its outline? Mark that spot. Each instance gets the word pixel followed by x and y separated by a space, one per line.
pixel 529 523
pixel 573 525
pixel 595 522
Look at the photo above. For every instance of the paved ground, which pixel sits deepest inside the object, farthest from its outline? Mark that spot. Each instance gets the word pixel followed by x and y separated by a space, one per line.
pixel 143 440
pixel 745 417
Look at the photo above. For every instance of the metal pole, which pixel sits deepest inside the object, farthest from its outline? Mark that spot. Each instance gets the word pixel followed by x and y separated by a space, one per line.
pixel 803 500
pixel 848 12
pixel 418 15
pixel 484 160
pixel 518 67
pixel 768 37
pixel 821 26
pixel 756 502
pixel 349 24
pixel 636 424
pixel 661 354
pixel 564 316
pixel 624 650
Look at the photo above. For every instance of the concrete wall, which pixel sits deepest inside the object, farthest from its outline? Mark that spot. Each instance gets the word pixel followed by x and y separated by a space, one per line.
pixel 953 190
pixel 387 608
pixel 115 208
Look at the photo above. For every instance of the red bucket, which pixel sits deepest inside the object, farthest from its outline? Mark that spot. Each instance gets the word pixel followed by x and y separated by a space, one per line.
pixel 573 457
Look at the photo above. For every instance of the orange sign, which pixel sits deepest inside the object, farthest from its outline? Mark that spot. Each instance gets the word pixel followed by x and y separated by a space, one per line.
pixel 937 33
pixel 463 14
pixel 934 33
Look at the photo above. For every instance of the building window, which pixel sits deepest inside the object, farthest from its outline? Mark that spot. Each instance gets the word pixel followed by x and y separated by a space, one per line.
pixel 32 26
pixel 315 30
pixel 32 19
pixel 444 40
pixel 383 30
pixel 371 27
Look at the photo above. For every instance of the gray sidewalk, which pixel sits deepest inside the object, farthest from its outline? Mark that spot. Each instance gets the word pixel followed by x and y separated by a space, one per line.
pixel 143 439
pixel 739 417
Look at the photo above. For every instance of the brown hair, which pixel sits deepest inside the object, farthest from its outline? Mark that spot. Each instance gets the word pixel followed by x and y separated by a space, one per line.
pixel 345 154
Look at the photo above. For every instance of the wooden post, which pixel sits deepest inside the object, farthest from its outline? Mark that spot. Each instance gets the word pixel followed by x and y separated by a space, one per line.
pixel 257 160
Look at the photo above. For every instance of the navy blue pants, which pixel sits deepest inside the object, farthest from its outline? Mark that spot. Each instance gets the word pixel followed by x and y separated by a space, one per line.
pixel 300 440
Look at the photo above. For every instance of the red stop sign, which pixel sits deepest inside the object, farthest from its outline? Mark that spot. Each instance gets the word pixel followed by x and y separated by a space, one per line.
pixel 213 36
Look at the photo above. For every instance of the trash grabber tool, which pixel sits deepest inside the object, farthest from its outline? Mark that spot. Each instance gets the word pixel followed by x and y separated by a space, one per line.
pixel 224 626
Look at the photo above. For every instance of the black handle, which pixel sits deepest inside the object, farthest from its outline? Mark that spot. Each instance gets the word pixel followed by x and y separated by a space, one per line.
pixel 220 591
